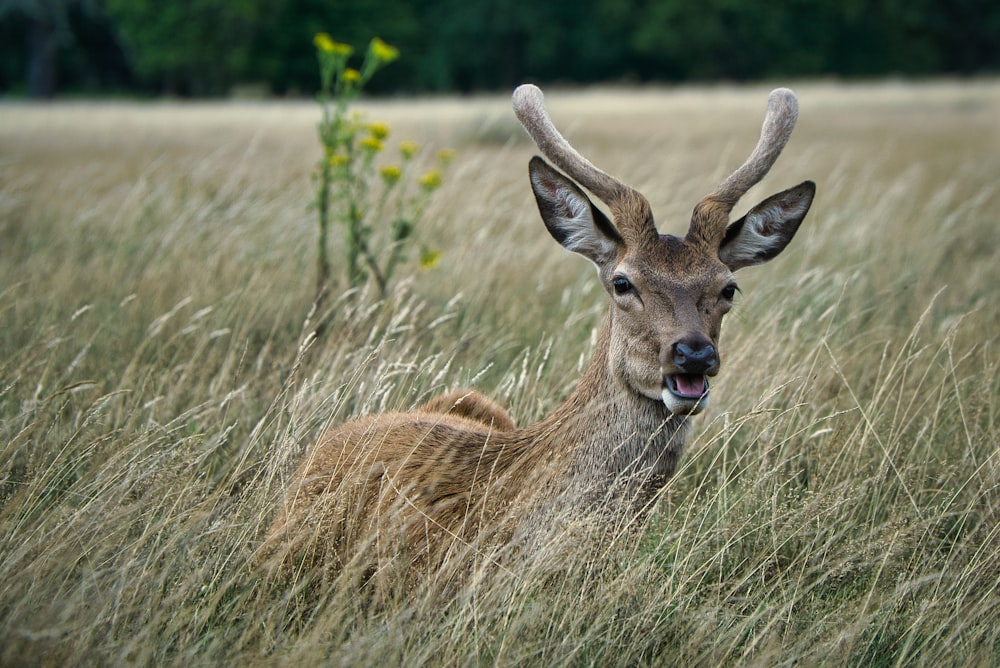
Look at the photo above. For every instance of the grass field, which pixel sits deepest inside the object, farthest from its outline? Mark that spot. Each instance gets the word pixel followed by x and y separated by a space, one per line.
pixel 840 503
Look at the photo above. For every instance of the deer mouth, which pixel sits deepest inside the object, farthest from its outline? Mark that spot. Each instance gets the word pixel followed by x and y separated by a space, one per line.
pixel 685 392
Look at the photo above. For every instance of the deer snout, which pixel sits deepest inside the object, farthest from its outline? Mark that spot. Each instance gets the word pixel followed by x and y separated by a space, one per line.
pixel 685 385
pixel 696 356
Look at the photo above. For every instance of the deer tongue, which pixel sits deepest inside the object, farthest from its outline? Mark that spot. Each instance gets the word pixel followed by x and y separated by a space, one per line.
pixel 690 385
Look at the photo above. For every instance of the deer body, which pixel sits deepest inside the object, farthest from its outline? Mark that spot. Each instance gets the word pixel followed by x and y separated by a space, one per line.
pixel 457 471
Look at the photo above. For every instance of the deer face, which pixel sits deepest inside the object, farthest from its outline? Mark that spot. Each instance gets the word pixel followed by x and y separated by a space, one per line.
pixel 668 303
pixel 668 294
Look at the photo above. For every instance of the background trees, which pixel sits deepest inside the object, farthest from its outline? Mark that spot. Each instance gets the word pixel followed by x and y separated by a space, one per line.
pixel 206 47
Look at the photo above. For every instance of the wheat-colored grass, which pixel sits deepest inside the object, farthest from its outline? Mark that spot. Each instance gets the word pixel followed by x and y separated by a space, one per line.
pixel 840 503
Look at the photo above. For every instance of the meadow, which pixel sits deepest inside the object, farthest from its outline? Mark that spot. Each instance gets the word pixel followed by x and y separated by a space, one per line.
pixel 839 503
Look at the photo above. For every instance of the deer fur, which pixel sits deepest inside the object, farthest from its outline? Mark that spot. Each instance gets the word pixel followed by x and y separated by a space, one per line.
pixel 410 487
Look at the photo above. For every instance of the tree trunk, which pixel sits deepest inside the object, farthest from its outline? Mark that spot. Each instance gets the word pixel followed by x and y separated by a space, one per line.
pixel 42 52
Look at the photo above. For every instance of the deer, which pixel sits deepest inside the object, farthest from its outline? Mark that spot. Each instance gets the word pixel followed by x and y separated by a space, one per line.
pixel 411 487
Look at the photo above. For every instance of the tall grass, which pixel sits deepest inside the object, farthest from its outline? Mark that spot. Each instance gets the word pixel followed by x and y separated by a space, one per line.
pixel 839 504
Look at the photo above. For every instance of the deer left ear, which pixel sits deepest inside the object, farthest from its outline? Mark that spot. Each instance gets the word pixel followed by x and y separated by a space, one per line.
pixel 570 216
pixel 767 228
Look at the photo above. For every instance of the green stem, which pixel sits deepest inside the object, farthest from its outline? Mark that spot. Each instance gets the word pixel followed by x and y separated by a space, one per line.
pixel 322 256
pixel 372 262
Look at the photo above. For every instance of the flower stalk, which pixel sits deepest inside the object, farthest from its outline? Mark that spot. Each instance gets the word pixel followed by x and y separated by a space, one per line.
pixel 372 202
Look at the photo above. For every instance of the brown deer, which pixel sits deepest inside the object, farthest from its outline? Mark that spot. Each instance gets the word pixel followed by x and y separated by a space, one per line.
pixel 456 471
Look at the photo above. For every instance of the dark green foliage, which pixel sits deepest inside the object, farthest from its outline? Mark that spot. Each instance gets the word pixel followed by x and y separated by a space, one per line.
pixel 189 48
pixel 209 47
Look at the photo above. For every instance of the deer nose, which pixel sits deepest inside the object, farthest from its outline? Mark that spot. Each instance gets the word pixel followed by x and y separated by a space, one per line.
pixel 695 356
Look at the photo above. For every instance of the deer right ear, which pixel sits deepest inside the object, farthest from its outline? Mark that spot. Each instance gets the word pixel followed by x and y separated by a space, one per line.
pixel 570 216
pixel 767 228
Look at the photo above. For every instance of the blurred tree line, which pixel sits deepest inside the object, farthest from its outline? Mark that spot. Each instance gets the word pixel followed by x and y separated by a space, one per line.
pixel 208 47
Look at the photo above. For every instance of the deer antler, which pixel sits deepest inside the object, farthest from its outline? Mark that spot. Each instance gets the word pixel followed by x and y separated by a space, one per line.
pixel 633 216
pixel 711 215
pixel 529 106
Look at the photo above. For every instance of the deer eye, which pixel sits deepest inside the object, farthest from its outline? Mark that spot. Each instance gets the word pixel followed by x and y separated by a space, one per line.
pixel 729 291
pixel 621 285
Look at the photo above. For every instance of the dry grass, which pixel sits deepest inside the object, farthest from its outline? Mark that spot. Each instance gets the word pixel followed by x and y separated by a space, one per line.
pixel 840 503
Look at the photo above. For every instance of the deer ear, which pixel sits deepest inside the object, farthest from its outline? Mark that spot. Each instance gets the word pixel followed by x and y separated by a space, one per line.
pixel 570 216
pixel 767 228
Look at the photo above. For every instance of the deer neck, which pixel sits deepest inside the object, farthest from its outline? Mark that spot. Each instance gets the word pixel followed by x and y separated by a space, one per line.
pixel 605 433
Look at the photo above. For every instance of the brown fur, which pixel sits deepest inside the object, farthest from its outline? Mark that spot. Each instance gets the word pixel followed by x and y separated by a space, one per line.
pixel 414 486
pixel 471 404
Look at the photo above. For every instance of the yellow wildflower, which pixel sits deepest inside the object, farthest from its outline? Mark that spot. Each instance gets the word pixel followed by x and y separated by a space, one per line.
pixel 429 259
pixel 431 180
pixel 323 42
pixel 379 129
pixel 342 49
pixel 372 144
pixel 351 75
pixel 338 160
pixel 383 52
pixel 408 149
pixel 445 157
pixel 391 174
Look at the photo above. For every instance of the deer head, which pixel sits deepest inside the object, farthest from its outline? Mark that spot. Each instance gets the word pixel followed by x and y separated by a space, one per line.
pixel 668 294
